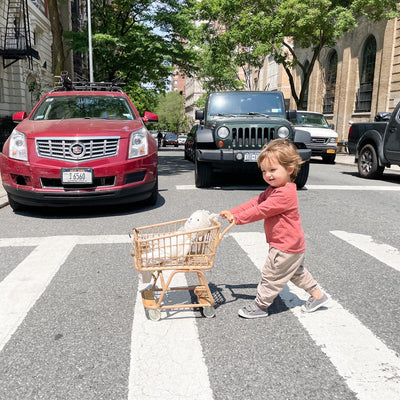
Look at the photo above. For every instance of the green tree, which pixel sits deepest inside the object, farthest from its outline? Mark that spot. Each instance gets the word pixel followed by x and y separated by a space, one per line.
pixel 242 33
pixel 170 111
pixel 135 41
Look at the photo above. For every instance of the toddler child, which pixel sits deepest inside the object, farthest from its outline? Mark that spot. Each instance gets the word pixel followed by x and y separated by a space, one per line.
pixel 278 207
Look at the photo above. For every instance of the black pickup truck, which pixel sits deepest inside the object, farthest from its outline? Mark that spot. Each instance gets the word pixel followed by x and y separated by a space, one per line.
pixel 376 145
pixel 234 126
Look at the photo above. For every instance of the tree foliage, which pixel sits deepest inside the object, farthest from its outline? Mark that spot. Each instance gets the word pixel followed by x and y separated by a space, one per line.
pixel 238 34
pixel 170 112
pixel 135 41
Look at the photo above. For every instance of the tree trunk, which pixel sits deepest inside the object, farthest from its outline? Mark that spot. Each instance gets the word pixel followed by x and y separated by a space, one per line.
pixel 56 31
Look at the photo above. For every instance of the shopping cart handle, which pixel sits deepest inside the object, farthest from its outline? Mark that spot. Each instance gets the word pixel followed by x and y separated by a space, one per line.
pixel 226 230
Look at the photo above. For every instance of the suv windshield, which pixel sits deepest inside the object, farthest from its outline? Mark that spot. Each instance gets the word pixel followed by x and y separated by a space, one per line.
pixel 83 106
pixel 309 119
pixel 243 103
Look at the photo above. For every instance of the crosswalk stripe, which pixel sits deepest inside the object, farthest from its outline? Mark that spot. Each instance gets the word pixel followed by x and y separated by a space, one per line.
pixel 167 361
pixel 370 369
pixel 381 251
pixel 26 283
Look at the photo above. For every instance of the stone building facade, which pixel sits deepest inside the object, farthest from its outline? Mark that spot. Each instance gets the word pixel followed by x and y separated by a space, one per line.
pixel 358 77
pixel 21 84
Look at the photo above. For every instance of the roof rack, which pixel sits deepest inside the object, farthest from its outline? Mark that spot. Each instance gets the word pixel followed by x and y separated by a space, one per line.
pixel 65 84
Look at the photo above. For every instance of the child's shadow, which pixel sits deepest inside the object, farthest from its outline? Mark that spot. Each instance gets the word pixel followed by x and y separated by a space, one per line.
pixel 238 292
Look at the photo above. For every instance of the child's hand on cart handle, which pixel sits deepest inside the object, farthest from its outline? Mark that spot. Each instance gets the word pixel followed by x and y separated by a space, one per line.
pixel 226 214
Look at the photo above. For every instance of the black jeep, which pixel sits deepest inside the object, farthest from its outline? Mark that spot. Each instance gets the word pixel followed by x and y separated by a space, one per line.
pixel 234 126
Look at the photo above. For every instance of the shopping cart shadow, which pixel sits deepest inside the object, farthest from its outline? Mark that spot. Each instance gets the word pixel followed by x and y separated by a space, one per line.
pixel 239 292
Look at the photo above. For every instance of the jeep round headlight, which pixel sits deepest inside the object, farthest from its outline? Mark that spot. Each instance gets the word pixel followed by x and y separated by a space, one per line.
pixel 283 132
pixel 223 132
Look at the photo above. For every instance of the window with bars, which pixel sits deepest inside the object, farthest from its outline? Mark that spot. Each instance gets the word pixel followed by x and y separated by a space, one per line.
pixel 364 93
pixel 330 83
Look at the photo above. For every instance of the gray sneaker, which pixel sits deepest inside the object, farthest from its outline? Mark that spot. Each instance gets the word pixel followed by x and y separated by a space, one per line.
pixel 313 304
pixel 252 310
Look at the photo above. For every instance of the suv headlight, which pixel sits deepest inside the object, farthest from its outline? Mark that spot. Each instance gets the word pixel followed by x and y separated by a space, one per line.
pixel 283 132
pixel 223 132
pixel 138 145
pixel 18 149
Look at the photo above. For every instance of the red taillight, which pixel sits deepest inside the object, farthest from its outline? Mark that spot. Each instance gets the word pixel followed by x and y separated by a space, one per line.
pixel 350 131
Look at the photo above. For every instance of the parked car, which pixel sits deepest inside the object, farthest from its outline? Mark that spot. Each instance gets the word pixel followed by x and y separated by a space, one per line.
pixel 182 139
pixel 190 144
pixel 376 145
pixel 80 147
pixel 170 139
pixel 234 127
pixel 323 138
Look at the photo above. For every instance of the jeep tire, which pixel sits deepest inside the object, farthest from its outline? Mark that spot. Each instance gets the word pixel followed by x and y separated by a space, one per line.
pixel 202 174
pixel 302 176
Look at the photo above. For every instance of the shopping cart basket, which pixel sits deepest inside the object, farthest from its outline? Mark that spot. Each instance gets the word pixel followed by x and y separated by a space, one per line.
pixel 166 247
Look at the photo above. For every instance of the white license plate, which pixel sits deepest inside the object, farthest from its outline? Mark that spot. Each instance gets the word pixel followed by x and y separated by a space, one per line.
pixel 251 156
pixel 77 175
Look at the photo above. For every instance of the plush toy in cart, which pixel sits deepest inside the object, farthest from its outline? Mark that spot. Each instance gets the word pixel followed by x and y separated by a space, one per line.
pixel 178 245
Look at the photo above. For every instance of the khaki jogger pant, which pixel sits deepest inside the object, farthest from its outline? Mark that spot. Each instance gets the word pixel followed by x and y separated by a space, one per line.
pixel 278 270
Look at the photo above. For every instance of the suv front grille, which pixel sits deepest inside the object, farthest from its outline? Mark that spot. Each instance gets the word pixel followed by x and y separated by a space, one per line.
pixel 77 149
pixel 251 138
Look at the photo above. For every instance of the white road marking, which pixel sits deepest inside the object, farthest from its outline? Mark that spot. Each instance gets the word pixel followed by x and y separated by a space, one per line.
pixel 369 368
pixel 307 187
pixel 167 361
pixel 381 251
pixel 25 284
pixel 345 187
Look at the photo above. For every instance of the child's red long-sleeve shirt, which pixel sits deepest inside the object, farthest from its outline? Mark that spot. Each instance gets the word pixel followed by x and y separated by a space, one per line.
pixel 279 207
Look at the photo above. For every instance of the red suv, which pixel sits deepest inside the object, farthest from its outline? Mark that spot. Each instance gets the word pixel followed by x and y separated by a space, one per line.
pixel 80 146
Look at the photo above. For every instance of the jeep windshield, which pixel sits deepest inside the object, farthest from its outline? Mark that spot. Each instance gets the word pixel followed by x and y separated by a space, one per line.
pixel 83 106
pixel 232 104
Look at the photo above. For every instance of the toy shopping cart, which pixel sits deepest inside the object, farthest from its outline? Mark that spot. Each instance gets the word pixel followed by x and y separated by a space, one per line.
pixel 166 248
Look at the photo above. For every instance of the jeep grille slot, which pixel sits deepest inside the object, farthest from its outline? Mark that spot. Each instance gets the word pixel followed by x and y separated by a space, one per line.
pixel 251 138
pixel 77 149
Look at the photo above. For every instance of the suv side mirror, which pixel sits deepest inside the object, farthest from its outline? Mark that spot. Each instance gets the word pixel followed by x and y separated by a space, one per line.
pixel 199 114
pixel 19 116
pixel 332 126
pixel 291 115
pixel 150 117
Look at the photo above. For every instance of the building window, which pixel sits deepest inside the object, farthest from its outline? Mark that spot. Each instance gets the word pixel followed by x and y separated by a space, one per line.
pixel 364 94
pixel 330 83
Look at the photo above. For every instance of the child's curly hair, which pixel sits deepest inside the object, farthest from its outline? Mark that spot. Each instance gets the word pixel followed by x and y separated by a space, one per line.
pixel 286 154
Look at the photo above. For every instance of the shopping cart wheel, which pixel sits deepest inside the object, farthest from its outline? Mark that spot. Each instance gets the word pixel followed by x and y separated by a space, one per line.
pixel 154 315
pixel 208 311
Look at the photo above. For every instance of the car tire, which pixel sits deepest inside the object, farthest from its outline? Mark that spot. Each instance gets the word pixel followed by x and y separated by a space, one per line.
pixel 202 174
pixel 14 204
pixel 329 158
pixel 302 176
pixel 367 164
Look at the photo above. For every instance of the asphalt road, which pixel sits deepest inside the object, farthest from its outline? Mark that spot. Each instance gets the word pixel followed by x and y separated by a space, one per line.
pixel 73 326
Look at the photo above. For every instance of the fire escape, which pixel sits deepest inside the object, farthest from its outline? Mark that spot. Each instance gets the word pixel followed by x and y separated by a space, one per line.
pixel 15 37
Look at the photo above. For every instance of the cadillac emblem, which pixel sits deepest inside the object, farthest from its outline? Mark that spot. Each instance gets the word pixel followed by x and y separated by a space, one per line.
pixel 77 150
